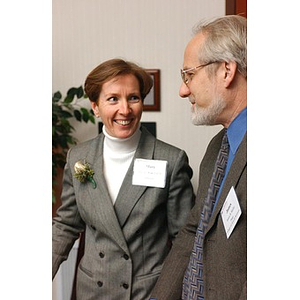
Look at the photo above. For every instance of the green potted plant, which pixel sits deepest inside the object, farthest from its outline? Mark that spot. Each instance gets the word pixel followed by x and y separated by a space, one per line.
pixel 64 109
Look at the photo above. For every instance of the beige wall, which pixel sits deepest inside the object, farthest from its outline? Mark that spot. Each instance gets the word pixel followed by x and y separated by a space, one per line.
pixel 151 33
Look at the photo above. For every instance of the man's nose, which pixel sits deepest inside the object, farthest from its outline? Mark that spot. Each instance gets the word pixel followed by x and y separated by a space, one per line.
pixel 184 90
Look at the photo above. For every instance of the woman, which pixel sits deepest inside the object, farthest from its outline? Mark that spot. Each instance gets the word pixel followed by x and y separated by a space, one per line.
pixel 130 191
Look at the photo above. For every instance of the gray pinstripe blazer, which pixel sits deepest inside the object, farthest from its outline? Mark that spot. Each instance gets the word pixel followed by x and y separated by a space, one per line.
pixel 125 244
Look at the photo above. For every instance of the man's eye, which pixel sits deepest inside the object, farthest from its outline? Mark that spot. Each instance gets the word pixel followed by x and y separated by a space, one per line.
pixel 190 75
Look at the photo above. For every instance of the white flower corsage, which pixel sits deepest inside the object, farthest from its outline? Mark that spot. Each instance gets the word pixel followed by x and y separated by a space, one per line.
pixel 83 172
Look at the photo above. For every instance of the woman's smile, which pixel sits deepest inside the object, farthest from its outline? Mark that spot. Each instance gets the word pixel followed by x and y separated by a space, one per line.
pixel 120 106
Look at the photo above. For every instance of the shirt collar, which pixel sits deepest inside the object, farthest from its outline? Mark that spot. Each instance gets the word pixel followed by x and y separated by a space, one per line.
pixel 237 130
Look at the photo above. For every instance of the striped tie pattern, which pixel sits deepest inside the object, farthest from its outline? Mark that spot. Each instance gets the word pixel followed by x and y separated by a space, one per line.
pixel 193 286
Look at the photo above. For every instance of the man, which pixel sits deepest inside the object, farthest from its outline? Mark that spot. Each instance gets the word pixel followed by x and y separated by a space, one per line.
pixel 209 257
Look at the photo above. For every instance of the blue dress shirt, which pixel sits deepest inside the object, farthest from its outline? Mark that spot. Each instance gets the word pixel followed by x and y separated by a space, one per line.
pixel 235 132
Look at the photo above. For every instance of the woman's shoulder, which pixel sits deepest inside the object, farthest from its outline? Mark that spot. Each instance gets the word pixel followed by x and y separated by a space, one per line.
pixel 160 144
pixel 166 146
pixel 85 147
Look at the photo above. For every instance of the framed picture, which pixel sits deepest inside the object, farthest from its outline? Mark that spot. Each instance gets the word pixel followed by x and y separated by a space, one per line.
pixel 236 7
pixel 152 101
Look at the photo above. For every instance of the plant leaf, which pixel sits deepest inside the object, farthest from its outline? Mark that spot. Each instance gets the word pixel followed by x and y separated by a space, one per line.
pixel 72 92
pixel 92 119
pixel 77 115
pixel 65 114
pixel 69 99
pixel 85 114
pixel 56 97
pixel 80 92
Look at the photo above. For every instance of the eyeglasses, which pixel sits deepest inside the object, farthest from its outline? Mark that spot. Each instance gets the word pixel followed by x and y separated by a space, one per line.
pixel 186 76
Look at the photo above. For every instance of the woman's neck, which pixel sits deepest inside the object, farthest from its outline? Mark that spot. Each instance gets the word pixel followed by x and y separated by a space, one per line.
pixel 121 145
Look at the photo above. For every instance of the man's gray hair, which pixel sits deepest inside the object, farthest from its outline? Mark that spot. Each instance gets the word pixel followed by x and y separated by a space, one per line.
pixel 225 40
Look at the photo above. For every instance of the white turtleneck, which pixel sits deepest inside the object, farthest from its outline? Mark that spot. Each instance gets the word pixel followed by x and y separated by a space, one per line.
pixel 117 156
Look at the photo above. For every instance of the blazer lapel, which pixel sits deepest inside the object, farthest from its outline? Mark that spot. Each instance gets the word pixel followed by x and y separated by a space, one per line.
pixel 238 165
pixel 102 202
pixel 130 194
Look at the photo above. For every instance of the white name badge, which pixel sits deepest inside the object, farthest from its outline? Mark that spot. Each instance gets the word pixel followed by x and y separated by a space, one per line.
pixel 231 212
pixel 147 172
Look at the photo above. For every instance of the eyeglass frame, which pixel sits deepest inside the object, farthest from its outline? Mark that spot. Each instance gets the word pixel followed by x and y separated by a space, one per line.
pixel 184 72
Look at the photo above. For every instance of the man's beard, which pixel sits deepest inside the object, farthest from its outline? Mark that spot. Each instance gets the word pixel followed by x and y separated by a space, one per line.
pixel 208 115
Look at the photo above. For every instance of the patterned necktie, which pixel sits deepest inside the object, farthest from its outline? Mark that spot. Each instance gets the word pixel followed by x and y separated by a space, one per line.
pixel 193 286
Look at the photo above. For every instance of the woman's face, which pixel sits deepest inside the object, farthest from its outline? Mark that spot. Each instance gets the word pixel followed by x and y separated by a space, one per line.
pixel 120 106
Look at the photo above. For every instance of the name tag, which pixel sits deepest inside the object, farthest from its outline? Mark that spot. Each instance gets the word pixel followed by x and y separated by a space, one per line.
pixel 147 172
pixel 231 212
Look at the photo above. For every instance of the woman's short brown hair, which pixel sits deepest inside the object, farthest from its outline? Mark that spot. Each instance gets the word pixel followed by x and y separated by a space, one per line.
pixel 111 69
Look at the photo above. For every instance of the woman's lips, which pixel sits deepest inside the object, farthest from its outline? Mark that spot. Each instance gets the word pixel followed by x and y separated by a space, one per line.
pixel 123 122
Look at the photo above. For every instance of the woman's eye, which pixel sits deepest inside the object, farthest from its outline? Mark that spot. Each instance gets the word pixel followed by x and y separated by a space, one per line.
pixel 112 99
pixel 134 98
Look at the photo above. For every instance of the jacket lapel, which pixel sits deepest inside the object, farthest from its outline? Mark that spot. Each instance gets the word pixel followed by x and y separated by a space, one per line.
pixel 238 165
pixel 102 202
pixel 130 194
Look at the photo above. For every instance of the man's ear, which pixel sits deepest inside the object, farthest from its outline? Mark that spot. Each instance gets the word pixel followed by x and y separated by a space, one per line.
pixel 95 109
pixel 230 69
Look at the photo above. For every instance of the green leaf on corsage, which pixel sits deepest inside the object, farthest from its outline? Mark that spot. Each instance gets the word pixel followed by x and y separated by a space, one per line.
pixel 83 172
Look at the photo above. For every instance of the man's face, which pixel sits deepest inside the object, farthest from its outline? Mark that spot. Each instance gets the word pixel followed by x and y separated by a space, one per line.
pixel 203 90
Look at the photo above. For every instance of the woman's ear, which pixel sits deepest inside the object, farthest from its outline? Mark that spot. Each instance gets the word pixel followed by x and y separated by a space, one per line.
pixel 95 109
pixel 229 72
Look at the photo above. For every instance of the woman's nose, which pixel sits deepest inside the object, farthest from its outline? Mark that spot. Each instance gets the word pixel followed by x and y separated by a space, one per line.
pixel 124 107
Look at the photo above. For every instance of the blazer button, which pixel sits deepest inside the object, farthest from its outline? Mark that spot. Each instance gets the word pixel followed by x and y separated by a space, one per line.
pixel 93 227
pixel 100 283
pixel 125 256
pixel 125 286
pixel 101 254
